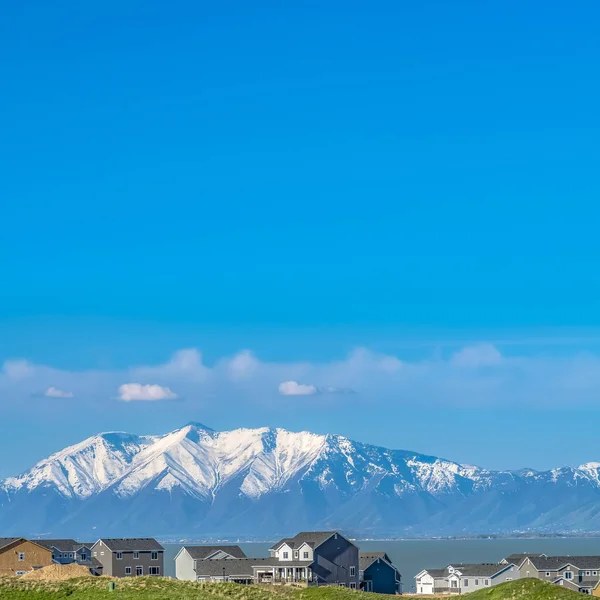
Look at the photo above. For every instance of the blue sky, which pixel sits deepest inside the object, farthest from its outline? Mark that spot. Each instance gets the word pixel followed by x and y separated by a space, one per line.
pixel 299 181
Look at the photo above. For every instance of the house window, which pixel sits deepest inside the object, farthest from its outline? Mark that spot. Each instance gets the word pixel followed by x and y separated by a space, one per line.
pixel 21 556
pixel 352 571
pixel 154 570
pixel 568 575
pixel 20 572
pixel 595 573
pixel 127 570
pixel 547 573
pixel 296 554
pixel 285 554
pixel 83 556
pixel 139 571
pixel 352 585
pixel 136 555
pixel 487 582
pixel 119 556
pixel 588 572
pixel 306 555
pixel 154 556
pixel 466 582
pixel 477 582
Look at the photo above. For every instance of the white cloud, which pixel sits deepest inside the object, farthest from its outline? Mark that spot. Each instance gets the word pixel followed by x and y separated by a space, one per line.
pixel 18 369
pixel 242 365
pixel 293 388
pixel 482 355
pixel 129 392
pixel 475 375
pixel 54 392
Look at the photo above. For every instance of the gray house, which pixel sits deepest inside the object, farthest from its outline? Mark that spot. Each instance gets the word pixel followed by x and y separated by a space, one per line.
pixel 68 551
pixel 314 557
pixel 577 573
pixel 129 557
pixel 198 563
pixel 462 578
pixel 377 574
pixel 309 558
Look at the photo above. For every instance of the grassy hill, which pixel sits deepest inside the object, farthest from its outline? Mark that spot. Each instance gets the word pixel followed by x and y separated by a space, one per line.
pixel 532 589
pixel 153 588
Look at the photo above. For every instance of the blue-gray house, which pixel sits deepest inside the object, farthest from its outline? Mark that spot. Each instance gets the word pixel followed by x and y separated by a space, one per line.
pixel 378 574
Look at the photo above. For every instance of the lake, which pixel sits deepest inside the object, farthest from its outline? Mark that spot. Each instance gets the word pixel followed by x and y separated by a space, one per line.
pixel 411 556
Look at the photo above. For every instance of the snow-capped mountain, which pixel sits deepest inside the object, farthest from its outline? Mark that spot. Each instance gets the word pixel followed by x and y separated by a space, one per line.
pixel 196 482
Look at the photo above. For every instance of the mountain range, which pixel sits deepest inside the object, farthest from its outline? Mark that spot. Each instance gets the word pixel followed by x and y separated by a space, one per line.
pixel 197 483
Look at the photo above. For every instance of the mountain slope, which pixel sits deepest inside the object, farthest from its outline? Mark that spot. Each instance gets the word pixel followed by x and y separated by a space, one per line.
pixel 196 482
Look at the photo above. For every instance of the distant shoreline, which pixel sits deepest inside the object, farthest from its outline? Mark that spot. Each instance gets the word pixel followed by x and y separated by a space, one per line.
pixel 508 536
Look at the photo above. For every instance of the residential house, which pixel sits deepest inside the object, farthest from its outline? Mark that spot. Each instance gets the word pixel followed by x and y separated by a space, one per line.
pixel 517 559
pixel 197 563
pixel 578 573
pixel 463 578
pixel 68 551
pixel 317 558
pixel 309 558
pixel 19 556
pixel 129 557
pixel 378 574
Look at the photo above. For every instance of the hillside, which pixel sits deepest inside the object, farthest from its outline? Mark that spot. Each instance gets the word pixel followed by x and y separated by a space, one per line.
pixel 197 483
pixel 146 588
pixel 532 589
pixel 153 588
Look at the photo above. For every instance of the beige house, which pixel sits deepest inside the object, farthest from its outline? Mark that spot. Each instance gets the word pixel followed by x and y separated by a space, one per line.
pixel 18 556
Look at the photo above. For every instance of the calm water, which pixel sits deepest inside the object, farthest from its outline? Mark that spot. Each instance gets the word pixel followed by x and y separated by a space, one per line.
pixel 411 556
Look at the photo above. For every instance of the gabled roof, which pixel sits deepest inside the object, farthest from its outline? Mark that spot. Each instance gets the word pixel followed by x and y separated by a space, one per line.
pixel 517 559
pixel 204 552
pixel 312 538
pixel 66 545
pixel 366 559
pixel 438 573
pixel 8 541
pixel 480 570
pixel 556 563
pixel 130 544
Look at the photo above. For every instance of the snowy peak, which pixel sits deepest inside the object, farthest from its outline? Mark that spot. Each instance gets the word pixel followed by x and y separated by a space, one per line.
pixel 85 468
pixel 268 481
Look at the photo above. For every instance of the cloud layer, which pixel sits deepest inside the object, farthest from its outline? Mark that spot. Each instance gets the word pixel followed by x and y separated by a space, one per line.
pixel 476 375
pixel 54 392
pixel 293 388
pixel 129 392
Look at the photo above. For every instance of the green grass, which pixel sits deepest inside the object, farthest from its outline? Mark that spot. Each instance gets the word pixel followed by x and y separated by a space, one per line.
pixel 532 589
pixel 153 588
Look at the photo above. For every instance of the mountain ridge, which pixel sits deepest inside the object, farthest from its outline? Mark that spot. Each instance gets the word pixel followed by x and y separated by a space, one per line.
pixel 195 481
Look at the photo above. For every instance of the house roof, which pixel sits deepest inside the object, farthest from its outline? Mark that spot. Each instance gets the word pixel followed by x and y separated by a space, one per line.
pixel 130 544
pixel 241 566
pixel 203 552
pixel 273 562
pixel 436 572
pixel 366 559
pixel 555 563
pixel 66 545
pixel 517 559
pixel 481 570
pixel 7 541
pixel 312 538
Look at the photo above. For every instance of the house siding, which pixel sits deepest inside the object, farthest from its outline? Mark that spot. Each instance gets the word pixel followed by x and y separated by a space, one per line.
pixel 35 556
pixel 382 577
pixel 144 560
pixel 332 561
pixel 184 566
